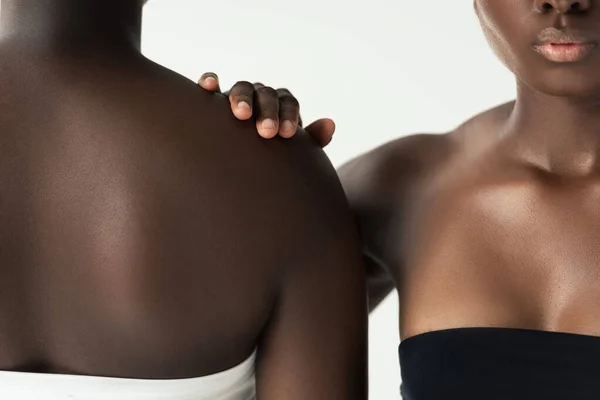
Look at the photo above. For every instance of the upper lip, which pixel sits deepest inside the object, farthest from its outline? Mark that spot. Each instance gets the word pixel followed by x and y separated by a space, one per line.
pixel 556 36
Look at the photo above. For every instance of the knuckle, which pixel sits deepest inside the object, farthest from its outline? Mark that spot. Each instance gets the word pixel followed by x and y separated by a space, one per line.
pixel 289 113
pixel 287 99
pixel 289 102
pixel 284 92
pixel 266 91
pixel 242 87
pixel 269 110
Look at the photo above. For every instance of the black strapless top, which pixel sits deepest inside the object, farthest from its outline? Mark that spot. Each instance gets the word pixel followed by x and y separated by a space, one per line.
pixel 499 363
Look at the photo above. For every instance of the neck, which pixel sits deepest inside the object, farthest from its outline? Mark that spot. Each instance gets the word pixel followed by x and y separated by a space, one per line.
pixel 558 134
pixel 109 24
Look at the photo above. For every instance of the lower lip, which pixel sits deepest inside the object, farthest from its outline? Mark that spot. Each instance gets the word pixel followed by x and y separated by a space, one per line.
pixel 565 53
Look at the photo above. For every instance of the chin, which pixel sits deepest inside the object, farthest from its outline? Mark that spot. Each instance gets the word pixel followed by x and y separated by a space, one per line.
pixel 575 80
pixel 565 82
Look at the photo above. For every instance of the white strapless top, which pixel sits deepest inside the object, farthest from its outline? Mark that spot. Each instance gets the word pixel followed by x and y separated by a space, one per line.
pixel 237 383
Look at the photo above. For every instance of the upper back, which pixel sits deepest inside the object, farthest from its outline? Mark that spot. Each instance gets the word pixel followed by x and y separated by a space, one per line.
pixel 141 226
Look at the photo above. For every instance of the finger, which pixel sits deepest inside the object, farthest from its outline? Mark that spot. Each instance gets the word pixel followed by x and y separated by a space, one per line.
pixel 322 130
pixel 289 113
pixel 241 97
pixel 267 110
pixel 209 81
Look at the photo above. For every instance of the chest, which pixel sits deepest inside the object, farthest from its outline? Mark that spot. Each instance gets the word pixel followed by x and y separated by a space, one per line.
pixel 550 222
pixel 519 253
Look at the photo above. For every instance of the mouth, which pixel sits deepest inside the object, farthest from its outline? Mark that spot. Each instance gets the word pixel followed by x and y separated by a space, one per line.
pixel 563 47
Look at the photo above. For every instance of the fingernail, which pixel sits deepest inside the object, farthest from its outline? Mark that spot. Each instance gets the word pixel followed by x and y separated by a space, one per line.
pixel 210 80
pixel 268 124
pixel 243 105
pixel 287 126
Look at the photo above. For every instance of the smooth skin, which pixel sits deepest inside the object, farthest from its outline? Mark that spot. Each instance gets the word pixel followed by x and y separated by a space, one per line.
pixel 146 233
pixel 496 223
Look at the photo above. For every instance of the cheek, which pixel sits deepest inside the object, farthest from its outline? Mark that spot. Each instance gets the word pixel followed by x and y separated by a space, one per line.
pixel 506 34
pixel 498 42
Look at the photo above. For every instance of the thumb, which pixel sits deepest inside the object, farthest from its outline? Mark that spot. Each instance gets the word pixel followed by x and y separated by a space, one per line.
pixel 322 130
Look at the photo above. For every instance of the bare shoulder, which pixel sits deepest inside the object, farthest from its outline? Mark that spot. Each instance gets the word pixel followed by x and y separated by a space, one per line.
pixel 478 133
pixel 396 168
pixel 311 184
pixel 392 169
pixel 381 185
pixel 404 160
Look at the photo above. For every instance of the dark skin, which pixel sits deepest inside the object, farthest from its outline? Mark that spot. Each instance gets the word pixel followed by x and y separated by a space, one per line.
pixel 146 233
pixel 495 224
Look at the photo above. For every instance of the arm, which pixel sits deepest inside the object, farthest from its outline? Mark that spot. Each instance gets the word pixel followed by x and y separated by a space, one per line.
pixel 314 347
pixel 371 201
pixel 382 188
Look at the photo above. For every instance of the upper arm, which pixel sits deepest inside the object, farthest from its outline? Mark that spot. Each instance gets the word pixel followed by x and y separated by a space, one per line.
pixel 368 182
pixel 314 347
pixel 379 186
